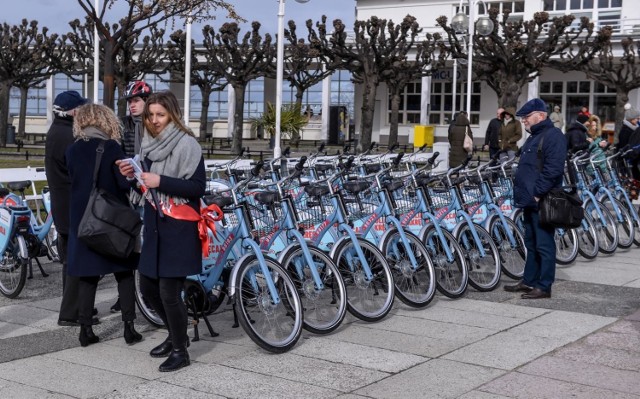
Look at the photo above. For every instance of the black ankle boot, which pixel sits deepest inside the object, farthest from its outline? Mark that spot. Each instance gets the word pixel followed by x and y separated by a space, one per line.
pixel 87 337
pixel 178 359
pixel 163 349
pixel 131 336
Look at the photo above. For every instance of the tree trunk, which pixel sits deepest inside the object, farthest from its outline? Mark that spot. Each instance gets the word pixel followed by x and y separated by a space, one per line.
pixel 393 119
pixel 299 97
pixel 24 92
pixel 622 97
pixel 108 79
pixel 368 113
pixel 509 97
pixel 204 112
pixel 238 119
pixel 5 88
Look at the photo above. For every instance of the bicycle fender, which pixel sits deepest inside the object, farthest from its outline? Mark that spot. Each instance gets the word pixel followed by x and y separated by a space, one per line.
pixel 234 272
pixel 336 245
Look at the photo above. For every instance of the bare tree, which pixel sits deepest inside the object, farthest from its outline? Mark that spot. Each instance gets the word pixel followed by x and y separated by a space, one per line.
pixel 376 46
pixel 207 79
pixel 141 15
pixel 516 52
pixel 25 56
pixel 239 61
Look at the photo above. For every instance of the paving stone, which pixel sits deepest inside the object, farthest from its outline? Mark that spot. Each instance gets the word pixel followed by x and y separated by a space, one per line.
pixel 10 330
pixel 14 390
pixel 625 326
pixel 435 378
pixel 615 358
pixel 493 308
pixel 234 383
pixel 30 316
pixel 523 386
pixel 481 395
pixel 160 390
pixel 635 316
pixel 505 350
pixel 63 377
pixel 626 342
pixel 594 375
pixel 568 326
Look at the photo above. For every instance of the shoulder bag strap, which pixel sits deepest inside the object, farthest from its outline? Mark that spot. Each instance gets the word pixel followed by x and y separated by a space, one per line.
pixel 540 153
pixel 96 168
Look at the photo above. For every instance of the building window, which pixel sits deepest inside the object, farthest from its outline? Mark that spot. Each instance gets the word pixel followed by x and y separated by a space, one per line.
pixel 442 102
pixel 409 104
pixel 343 90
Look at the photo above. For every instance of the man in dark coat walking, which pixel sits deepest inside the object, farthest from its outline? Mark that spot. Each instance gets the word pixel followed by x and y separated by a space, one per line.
pixel 59 138
pixel 492 136
pixel 540 169
pixel 577 134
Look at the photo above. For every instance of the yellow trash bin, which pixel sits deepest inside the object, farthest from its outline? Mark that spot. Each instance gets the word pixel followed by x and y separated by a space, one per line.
pixel 423 135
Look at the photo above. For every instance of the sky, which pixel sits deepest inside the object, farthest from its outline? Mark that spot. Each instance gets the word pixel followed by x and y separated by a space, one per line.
pixel 55 14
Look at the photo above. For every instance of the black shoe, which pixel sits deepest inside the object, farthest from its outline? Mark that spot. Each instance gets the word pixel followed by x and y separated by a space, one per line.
pixel 164 348
pixel 131 336
pixel 87 337
pixel 178 359
pixel 519 287
pixel 536 293
pixel 76 323
pixel 116 307
pixel 95 312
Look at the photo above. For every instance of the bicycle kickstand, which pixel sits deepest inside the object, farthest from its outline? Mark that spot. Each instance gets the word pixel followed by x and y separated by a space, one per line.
pixel 44 274
pixel 206 321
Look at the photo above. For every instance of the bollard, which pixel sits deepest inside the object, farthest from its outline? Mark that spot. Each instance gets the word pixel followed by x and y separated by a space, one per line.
pixel 26 154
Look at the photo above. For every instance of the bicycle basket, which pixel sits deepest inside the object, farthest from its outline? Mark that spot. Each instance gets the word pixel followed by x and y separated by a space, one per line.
pixel 360 198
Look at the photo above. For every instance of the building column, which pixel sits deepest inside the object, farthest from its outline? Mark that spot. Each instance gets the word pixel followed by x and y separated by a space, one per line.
pixel 326 107
pixel 50 88
pixel 425 100
pixel 231 109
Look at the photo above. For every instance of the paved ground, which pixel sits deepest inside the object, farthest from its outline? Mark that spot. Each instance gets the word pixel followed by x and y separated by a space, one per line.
pixel 584 343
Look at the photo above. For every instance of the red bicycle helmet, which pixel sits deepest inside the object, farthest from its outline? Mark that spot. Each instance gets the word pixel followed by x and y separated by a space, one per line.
pixel 137 88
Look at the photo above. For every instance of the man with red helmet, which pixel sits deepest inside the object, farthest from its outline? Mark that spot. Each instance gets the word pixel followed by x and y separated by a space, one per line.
pixel 136 94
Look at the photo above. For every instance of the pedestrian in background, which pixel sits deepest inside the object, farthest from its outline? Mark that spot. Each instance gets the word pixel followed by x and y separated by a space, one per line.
pixel 596 143
pixel 492 136
pixel 171 248
pixel 457 153
pixel 577 134
pixel 556 117
pixel 92 125
pixel 630 128
pixel 59 138
pixel 510 132
pixel 540 169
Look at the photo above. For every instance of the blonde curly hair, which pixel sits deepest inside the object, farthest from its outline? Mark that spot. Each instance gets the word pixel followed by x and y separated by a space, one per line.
pixel 98 116
pixel 595 127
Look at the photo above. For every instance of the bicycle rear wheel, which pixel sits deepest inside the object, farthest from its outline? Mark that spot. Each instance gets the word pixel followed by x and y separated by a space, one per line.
pixel 587 239
pixel 452 276
pixel 275 327
pixel 415 285
pixel 566 246
pixel 13 268
pixel 512 257
pixel 484 270
pixel 146 309
pixel 368 300
pixel 324 309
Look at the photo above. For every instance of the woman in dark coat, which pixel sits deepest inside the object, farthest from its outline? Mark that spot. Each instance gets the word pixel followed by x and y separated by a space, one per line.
pixel 171 248
pixel 457 153
pixel 94 124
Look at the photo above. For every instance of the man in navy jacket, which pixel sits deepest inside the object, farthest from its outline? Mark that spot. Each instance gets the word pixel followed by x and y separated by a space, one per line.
pixel 540 169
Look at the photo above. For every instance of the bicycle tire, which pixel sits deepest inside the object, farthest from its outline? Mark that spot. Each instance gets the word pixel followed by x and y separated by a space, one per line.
pixel 512 259
pixel 415 287
pixel 367 300
pixel 452 277
pixel 13 268
pixel 634 214
pixel 605 228
pixel 588 246
pixel 624 222
pixel 274 327
pixel 324 310
pixel 484 272
pixel 566 246
pixel 147 311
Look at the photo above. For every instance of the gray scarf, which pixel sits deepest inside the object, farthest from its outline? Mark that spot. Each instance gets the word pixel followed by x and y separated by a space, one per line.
pixel 92 132
pixel 174 154
pixel 629 124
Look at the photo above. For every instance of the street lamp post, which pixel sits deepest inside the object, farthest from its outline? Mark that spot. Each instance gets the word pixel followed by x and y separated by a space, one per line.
pixel 460 23
pixel 277 151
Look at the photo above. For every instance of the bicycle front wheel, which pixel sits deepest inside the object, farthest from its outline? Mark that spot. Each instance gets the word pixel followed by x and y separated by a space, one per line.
pixel 367 299
pixel 626 202
pixel 623 219
pixel 275 327
pixel 325 308
pixel 145 308
pixel 415 284
pixel 13 268
pixel 452 276
pixel 512 255
pixel 587 238
pixel 606 228
pixel 484 270
pixel 566 246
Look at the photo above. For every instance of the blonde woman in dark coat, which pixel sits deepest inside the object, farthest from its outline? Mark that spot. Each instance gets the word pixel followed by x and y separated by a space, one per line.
pixel 510 132
pixel 457 153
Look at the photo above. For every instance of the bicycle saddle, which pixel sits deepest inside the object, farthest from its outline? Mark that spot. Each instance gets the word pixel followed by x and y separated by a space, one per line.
pixel 356 186
pixel 423 180
pixel 18 185
pixel 266 197
pixel 316 190
pixel 218 200
pixel 323 167
pixel 394 184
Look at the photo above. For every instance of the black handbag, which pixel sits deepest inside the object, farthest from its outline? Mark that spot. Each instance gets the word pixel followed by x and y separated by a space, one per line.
pixel 108 226
pixel 561 208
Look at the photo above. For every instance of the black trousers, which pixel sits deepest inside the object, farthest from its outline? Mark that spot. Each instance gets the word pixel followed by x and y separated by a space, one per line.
pixel 126 291
pixel 70 284
pixel 165 297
